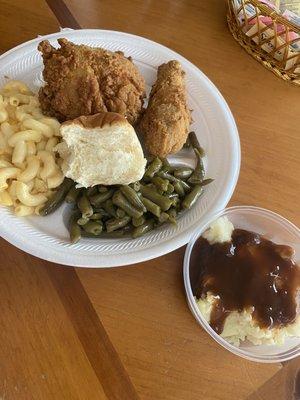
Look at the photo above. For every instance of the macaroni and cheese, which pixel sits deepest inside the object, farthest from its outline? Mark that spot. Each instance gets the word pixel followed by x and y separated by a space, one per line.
pixel 29 168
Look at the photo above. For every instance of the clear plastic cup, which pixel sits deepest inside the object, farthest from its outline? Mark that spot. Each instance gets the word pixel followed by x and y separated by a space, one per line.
pixel 273 227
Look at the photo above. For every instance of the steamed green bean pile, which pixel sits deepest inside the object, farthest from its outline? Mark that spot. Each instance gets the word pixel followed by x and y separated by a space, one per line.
pixel 135 209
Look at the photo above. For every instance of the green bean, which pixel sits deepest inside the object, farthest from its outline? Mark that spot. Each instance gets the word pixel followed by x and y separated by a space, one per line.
pixel 199 172
pixel 101 211
pixel 138 221
pixel 183 173
pixel 58 197
pixel 82 221
pixel 149 159
pixel 110 208
pixel 161 184
pixel 153 168
pixel 146 179
pixel 191 198
pixel 120 213
pixel 179 189
pixel 84 206
pixel 142 229
pixel 116 234
pixel 123 232
pixel 150 185
pixel 72 195
pixel 132 197
pixel 90 235
pixel 136 186
pixel 158 199
pixel 102 189
pixel 195 144
pixel 187 143
pixel 120 201
pixel 207 181
pixel 172 195
pixel 166 166
pixel 170 188
pixel 175 199
pixel 94 227
pixel 91 191
pixel 127 228
pixel 74 230
pixel 151 207
pixel 172 215
pixel 166 175
pixel 163 217
pixel 186 187
pixel 172 179
pixel 96 216
pixel 176 202
pixel 99 198
pixel 116 223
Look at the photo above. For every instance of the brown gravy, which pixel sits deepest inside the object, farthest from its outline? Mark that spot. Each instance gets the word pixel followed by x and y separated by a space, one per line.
pixel 249 271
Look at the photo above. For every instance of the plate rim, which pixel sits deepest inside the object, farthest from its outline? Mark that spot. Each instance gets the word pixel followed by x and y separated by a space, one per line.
pixel 142 255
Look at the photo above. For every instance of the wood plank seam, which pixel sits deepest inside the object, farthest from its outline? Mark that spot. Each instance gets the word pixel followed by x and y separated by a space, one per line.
pixel 95 341
pixel 62 13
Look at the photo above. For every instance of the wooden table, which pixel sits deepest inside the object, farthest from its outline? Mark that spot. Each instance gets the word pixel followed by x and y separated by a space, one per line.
pixel 127 333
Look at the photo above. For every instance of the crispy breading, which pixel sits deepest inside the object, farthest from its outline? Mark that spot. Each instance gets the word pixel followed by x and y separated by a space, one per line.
pixel 166 120
pixel 81 80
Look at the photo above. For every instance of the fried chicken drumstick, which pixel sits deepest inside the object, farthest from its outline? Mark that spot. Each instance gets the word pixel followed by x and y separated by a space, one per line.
pixel 81 80
pixel 166 120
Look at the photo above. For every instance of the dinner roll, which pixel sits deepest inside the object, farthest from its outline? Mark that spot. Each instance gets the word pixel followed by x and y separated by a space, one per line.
pixel 101 149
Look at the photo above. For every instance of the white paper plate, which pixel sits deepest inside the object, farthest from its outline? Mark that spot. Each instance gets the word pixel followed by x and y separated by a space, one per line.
pixel 47 237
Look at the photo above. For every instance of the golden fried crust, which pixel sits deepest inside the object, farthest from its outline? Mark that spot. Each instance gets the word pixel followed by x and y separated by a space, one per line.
pixel 81 80
pixel 166 121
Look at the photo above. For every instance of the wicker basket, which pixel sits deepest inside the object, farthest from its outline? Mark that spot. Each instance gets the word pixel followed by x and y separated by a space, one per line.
pixel 267 36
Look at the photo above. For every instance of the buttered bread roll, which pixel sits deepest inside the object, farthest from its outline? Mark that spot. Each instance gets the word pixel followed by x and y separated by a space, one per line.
pixel 101 149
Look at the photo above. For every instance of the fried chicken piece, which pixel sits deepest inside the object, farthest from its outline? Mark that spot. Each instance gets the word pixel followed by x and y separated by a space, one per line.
pixel 166 120
pixel 81 80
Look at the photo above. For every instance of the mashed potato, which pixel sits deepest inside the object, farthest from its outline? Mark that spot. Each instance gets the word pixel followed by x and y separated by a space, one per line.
pixel 240 326
pixel 220 231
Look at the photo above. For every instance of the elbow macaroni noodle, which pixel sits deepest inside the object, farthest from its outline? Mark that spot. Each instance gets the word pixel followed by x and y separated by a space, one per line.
pixel 29 167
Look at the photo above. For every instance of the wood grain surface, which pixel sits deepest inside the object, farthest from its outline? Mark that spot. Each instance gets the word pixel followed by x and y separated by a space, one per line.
pixel 127 333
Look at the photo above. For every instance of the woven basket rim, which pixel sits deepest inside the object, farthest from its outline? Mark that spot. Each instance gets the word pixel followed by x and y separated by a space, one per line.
pixel 270 13
pixel 265 60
